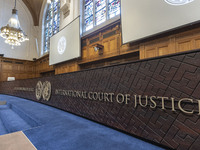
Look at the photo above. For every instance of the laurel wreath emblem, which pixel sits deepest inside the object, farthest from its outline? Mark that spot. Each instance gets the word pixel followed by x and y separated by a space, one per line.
pixel 43 90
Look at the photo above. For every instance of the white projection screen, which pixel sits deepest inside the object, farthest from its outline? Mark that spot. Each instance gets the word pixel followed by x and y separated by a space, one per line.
pixel 144 18
pixel 65 45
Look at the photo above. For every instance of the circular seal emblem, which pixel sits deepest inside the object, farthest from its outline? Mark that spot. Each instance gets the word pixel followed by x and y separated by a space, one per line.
pixel 61 45
pixel 178 2
pixel 46 94
pixel 38 90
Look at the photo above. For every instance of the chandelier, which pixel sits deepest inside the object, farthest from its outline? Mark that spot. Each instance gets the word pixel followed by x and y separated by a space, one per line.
pixel 12 32
pixel 178 2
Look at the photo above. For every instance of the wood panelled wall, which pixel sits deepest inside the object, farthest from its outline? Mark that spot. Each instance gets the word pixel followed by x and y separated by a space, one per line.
pixel 175 43
pixel 43 68
pixel 114 52
pixel 20 69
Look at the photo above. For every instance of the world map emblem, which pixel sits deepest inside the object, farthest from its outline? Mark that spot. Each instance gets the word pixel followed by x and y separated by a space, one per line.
pixel 61 45
pixel 46 90
pixel 43 90
pixel 38 90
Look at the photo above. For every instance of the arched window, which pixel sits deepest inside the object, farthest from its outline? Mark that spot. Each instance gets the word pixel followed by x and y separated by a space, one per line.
pixel 98 11
pixel 51 23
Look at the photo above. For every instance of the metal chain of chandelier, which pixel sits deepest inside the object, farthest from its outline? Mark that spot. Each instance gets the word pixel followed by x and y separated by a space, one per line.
pixel 12 32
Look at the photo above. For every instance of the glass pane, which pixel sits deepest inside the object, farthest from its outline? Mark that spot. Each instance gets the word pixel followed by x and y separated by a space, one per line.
pixel 46 32
pixel 54 27
pixel 45 49
pixel 47 25
pixel 88 15
pixel 113 8
pixel 51 23
pixel 47 18
pixel 100 11
pixel 89 23
pixel 51 6
pixel 51 13
pixel 55 9
pixel 55 17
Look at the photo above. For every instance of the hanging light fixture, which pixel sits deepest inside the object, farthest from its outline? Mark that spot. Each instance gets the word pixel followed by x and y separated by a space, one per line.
pixel 12 32
pixel 178 2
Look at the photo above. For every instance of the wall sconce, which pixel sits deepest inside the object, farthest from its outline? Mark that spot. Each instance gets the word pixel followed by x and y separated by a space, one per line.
pixel 99 48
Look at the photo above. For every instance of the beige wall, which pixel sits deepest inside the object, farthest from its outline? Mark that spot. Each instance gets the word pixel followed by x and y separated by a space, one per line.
pixel 74 12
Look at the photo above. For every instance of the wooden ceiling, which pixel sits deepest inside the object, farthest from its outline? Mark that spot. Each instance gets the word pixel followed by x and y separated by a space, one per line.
pixel 34 7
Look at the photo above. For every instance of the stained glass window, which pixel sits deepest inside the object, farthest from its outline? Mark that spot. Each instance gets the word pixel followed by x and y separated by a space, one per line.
pixel 51 23
pixel 113 8
pixel 88 14
pixel 98 11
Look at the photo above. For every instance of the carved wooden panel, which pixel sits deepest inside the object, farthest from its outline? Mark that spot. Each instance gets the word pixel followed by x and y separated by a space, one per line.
pixel 66 67
pixel 20 69
pixel 110 45
pixel 84 53
pixel 151 53
pixel 174 43
pixel 42 66
pixel 183 45
pixel 163 50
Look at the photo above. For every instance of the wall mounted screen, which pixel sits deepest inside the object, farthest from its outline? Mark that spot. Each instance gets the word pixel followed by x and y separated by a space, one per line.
pixel 65 45
pixel 144 18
